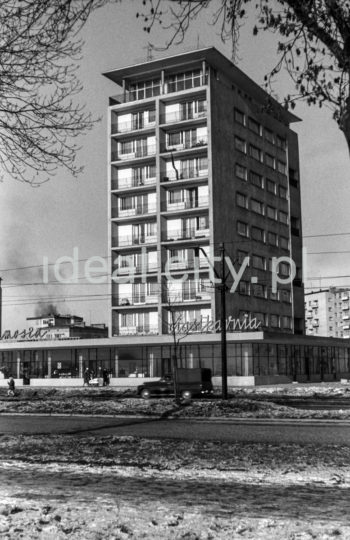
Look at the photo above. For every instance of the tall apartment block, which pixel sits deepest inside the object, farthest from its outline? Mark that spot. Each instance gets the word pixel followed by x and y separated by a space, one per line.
pixel 200 155
pixel 327 313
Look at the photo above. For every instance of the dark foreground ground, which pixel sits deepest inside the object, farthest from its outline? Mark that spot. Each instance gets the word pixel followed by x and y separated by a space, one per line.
pixel 111 487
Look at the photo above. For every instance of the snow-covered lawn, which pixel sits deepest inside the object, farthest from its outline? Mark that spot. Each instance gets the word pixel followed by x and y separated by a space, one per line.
pixel 57 487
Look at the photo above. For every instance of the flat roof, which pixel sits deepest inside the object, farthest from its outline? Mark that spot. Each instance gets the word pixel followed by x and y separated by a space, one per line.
pixel 210 55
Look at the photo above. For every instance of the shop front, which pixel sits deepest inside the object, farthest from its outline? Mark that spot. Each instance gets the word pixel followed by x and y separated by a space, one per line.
pixel 252 358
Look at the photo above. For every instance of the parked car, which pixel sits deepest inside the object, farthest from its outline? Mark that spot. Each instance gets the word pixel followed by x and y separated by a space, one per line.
pixel 190 383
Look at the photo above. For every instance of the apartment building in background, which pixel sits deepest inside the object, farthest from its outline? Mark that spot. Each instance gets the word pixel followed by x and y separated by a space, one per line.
pixel 199 155
pixel 327 313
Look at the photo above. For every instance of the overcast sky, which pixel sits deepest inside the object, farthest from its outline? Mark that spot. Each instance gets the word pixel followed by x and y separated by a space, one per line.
pixel 65 213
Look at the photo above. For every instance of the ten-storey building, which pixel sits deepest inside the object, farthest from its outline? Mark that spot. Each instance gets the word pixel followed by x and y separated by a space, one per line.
pixel 200 155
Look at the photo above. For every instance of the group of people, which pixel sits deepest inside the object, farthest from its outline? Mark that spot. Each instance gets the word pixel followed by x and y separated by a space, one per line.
pixel 89 375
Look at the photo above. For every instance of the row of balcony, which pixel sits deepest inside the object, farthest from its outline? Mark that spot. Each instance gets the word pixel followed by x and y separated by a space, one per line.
pixel 166 206
pixel 178 297
pixel 151 267
pixel 165 119
pixel 170 236
pixel 151 149
pixel 187 174
pixel 138 330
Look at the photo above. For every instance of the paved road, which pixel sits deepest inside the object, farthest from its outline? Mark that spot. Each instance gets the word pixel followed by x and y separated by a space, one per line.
pixel 273 432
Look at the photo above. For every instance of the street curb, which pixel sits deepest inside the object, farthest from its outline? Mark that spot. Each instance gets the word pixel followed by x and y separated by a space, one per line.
pixel 196 419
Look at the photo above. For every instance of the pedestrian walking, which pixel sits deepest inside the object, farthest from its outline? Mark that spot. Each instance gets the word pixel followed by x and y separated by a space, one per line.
pixel 11 384
pixel 86 377
pixel 105 378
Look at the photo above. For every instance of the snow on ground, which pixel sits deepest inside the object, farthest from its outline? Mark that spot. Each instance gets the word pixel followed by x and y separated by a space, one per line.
pixel 113 488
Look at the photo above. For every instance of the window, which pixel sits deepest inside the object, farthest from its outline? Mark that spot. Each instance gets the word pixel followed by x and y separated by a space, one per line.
pixel 242 256
pixel 241 200
pixel 259 262
pixel 259 290
pixel 293 177
pixel 255 152
pixel 254 126
pixel 295 226
pixel 239 117
pixel 145 89
pixel 271 186
pixel 256 179
pixel 258 234
pixel 257 206
pixel 242 228
pixel 241 172
pixel 271 212
pixel 283 192
pixel 283 217
pixel 270 161
pixel 272 238
pixel 281 167
pixel 240 145
pixel 244 287
pixel 269 136
pixel 284 242
pixel 286 295
pixel 274 321
pixel 284 269
pixel 184 81
pixel 286 322
pixel 281 142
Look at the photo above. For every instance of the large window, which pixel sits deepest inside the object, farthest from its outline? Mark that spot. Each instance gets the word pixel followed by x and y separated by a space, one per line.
pixel 184 81
pixel 145 89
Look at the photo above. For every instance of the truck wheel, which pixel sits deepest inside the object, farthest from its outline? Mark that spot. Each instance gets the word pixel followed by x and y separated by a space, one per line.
pixel 186 394
pixel 145 394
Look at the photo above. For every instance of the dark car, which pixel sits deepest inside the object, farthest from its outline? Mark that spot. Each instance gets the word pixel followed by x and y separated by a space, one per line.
pixel 190 382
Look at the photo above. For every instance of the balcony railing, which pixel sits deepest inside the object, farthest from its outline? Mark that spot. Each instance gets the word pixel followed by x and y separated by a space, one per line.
pixel 138 153
pixel 187 296
pixel 126 183
pixel 186 264
pixel 138 299
pixel 125 127
pixel 169 118
pixel 130 240
pixel 185 175
pixel 136 211
pixel 137 268
pixel 203 141
pixel 184 234
pixel 138 330
pixel 199 202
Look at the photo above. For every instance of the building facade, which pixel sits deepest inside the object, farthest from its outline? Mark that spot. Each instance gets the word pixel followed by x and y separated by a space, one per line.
pixel 200 155
pixel 327 313
pixel 55 326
